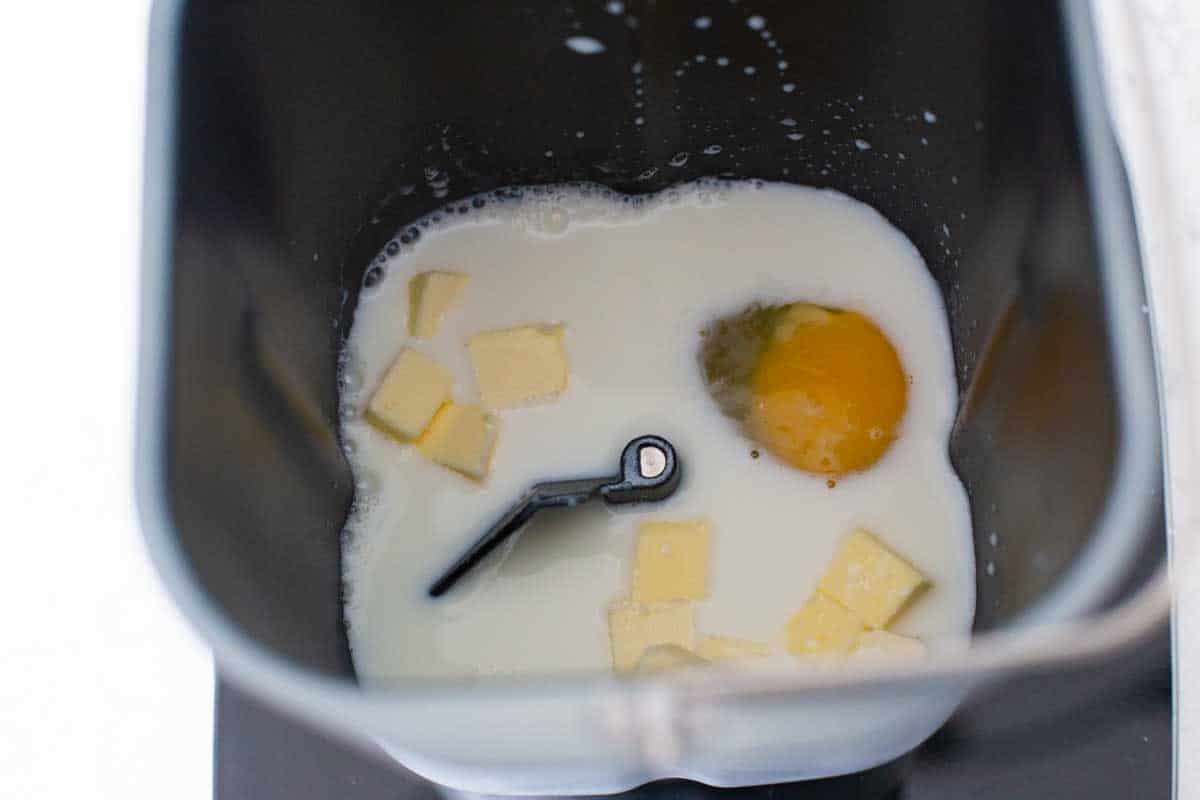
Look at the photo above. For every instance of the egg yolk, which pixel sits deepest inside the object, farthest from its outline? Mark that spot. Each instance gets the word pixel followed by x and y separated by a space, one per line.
pixel 827 391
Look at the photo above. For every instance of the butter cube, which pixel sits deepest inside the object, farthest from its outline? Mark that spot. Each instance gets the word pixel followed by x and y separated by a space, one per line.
pixel 462 438
pixel 884 647
pixel 429 295
pixel 518 366
pixel 633 629
pixel 664 657
pixel 822 628
pixel 869 579
pixel 671 561
pixel 412 391
pixel 728 648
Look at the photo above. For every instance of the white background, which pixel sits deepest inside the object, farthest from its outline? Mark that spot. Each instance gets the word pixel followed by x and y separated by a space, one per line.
pixel 1153 58
pixel 104 691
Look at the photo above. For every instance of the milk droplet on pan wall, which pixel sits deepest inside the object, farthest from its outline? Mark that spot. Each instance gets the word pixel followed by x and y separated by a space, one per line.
pixel 585 45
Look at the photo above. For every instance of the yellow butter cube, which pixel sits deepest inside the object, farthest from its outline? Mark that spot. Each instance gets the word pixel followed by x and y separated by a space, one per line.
pixel 462 438
pixel 429 295
pixel 728 648
pixel 412 391
pixel 518 366
pixel 885 646
pixel 822 628
pixel 869 579
pixel 664 657
pixel 634 628
pixel 671 561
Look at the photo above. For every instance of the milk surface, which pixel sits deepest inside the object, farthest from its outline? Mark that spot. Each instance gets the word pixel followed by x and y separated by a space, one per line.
pixel 633 282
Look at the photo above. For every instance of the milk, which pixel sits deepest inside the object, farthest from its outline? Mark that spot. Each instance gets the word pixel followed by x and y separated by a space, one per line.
pixel 633 282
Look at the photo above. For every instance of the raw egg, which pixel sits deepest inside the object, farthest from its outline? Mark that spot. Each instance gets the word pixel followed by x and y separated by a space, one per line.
pixel 827 392
pixel 822 389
